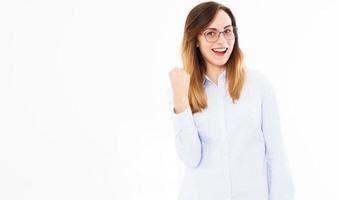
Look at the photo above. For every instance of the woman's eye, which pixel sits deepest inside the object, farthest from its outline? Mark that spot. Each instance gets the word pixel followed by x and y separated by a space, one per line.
pixel 227 30
pixel 211 33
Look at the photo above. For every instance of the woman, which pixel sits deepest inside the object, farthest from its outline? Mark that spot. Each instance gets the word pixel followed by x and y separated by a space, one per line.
pixel 225 116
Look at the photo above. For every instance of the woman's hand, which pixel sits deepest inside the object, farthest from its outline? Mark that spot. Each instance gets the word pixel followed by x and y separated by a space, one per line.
pixel 180 80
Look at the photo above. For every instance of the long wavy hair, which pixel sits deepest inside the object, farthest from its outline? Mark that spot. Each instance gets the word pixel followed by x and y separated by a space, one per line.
pixel 198 20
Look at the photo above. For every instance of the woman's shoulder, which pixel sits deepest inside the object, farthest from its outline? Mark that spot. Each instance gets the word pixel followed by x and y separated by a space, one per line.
pixel 257 79
pixel 255 74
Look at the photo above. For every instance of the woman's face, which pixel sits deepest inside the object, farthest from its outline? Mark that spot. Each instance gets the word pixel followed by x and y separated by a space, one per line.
pixel 216 53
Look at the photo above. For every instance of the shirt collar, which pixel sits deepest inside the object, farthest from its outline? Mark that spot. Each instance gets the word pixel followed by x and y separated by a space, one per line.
pixel 220 76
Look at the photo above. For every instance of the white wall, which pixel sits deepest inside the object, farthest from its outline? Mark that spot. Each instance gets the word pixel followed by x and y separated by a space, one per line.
pixel 83 105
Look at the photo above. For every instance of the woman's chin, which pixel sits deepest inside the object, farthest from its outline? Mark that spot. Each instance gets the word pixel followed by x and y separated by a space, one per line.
pixel 220 62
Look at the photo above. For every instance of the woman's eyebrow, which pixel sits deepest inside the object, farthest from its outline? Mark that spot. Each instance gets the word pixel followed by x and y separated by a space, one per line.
pixel 223 28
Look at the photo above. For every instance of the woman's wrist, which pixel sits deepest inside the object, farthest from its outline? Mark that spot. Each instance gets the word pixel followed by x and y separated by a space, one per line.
pixel 180 104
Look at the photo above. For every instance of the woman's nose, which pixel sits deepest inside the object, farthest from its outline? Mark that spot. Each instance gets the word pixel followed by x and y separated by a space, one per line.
pixel 222 39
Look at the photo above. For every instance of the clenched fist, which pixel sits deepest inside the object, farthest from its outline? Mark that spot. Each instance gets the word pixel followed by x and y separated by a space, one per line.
pixel 180 80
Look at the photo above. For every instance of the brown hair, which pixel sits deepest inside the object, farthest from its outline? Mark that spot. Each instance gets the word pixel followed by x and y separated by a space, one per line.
pixel 198 19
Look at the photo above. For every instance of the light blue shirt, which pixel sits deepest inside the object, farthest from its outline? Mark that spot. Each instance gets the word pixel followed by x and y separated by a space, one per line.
pixel 233 151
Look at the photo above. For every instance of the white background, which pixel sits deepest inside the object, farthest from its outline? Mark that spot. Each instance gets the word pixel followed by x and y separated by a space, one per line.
pixel 83 94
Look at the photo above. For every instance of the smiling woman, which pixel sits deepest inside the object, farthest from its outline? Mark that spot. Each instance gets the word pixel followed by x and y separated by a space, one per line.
pixel 212 35
pixel 225 116
pixel 221 46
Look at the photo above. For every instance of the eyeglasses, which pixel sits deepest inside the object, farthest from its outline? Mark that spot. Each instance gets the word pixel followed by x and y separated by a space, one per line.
pixel 212 34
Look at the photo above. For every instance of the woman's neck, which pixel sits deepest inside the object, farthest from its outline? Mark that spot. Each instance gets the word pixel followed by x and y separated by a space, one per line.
pixel 213 72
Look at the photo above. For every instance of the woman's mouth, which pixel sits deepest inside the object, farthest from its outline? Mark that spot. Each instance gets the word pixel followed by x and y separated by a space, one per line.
pixel 219 51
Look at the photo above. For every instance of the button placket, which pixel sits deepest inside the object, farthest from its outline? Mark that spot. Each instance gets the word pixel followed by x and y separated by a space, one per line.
pixel 221 100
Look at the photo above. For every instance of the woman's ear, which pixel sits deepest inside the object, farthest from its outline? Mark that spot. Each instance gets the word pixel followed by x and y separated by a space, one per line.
pixel 197 45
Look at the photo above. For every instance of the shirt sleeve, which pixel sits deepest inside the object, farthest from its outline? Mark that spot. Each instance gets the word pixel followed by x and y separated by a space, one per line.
pixel 187 141
pixel 280 182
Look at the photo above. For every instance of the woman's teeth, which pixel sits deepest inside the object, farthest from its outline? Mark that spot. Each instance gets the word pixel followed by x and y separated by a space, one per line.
pixel 220 50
